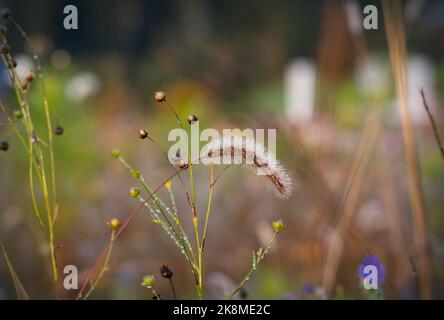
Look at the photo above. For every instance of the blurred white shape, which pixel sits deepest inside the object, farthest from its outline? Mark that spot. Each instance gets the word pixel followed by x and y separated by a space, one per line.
pixel 420 74
pixel 371 216
pixel 221 286
pixel 373 76
pixel 300 89
pixel 25 64
pixel 354 17
pixel 82 86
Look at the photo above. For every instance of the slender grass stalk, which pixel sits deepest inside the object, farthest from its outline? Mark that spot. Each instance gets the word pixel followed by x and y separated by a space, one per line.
pixel 104 269
pixel 393 18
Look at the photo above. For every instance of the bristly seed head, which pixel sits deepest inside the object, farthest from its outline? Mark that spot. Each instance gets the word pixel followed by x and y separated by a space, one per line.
pixel 160 96
pixel 59 130
pixel 166 272
pixel 192 119
pixel 5 13
pixel 114 223
pixel 143 134
pixel 4 146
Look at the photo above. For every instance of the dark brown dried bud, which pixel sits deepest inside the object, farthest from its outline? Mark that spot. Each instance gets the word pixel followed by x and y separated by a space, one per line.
pixel 192 119
pixel 4 48
pixel 166 272
pixel 4 146
pixel 5 13
pixel 182 165
pixel 143 134
pixel 58 130
pixel 30 76
pixel 160 96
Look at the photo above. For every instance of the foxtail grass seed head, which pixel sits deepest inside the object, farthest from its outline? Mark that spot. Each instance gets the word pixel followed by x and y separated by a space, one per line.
pixel 18 114
pixel 160 96
pixel 134 192
pixel 115 153
pixel 58 130
pixel 4 146
pixel 278 225
pixel 29 76
pixel 114 223
pixel 192 119
pixel 246 151
pixel 166 272
pixel 4 48
pixel 148 281
pixel 183 165
pixel 143 134
pixel 5 13
pixel 135 173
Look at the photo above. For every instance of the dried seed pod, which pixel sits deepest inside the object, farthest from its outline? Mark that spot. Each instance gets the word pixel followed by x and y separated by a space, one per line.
pixel 4 146
pixel 58 130
pixel 166 272
pixel 30 76
pixel 192 119
pixel 143 134
pixel 160 96
pixel 182 165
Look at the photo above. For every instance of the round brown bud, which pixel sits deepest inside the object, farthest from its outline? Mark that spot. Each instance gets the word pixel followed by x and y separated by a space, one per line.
pixel 192 119
pixel 182 165
pixel 30 76
pixel 58 130
pixel 160 96
pixel 4 146
pixel 166 272
pixel 4 48
pixel 5 13
pixel 143 134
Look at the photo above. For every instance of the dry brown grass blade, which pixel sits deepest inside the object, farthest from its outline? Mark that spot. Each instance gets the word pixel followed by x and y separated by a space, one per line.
pixel 397 48
pixel 432 122
pixel 19 289
pixel 354 185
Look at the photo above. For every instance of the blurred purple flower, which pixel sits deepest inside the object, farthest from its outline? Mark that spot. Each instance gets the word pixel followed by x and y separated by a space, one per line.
pixel 372 260
pixel 308 289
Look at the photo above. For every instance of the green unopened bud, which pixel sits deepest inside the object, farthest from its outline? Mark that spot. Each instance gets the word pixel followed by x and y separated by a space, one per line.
pixel 278 225
pixel 115 153
pixel 134 192
pixel 135 174
pixel 18 114
pixel 148 281
pixel 114 223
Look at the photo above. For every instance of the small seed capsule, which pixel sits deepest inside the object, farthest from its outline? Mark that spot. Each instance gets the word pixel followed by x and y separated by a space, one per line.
pixel 160 96
pixel 4 146
pixel 58 130
pixel 143 134
pixel 192 119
